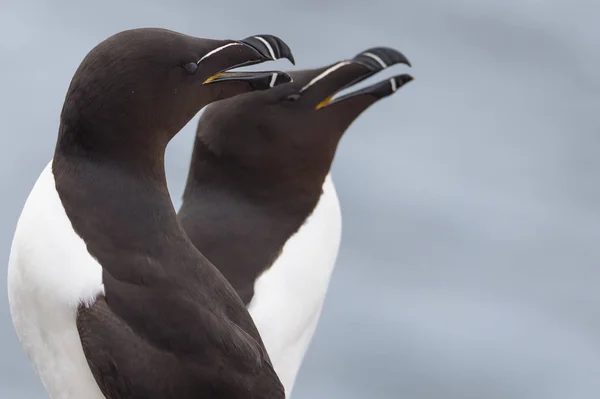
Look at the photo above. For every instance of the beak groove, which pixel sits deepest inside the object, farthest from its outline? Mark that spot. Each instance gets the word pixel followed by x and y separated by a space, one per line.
pixel 375 60
pixel 380 58
pixel 258 80
pixel 378 90
pixel 258 49
pixel 270 47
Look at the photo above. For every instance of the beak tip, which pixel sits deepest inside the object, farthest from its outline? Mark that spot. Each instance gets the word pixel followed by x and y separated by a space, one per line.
pixel 270 47
pixel 283 77
pixel 286 53
pixel 378 91
pixel 406 78
pixel 380 58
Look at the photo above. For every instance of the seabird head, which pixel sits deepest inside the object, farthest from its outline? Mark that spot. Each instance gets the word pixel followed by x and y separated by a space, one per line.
pixel 153 81
pixel 297 126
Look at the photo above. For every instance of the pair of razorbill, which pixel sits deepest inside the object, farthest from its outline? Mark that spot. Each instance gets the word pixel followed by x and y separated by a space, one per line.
pixel 115 295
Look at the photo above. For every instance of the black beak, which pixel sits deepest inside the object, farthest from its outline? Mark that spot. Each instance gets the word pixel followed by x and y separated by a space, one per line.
pixel 252 50
pixel 380 58
pixel 258 80
pixel 270 47
pixel 337 77
pixel 378 90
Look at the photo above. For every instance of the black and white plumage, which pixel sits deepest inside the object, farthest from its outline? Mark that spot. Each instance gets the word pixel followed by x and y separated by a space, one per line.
pixel 260 202
pixel 107 294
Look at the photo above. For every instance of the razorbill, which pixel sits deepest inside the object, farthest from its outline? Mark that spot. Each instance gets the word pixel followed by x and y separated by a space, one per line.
pixel 260 203
pixel 108 296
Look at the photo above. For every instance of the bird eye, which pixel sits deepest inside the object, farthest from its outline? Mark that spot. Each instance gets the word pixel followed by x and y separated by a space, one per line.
pixel 190 68
pixel 292 97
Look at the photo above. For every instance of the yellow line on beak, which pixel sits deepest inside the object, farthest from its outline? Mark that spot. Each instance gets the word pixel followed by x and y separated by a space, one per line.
pixel 324 102
pixel 216 75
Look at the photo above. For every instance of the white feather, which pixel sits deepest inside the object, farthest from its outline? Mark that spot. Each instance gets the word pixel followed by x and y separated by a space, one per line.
pixel 50 273
pixel 289 296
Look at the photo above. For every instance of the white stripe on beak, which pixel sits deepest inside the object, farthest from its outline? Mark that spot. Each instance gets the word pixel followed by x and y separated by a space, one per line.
pixel 273 80
pixel 217 50
pixel 376 58
pixel 266 43
pixel 325 73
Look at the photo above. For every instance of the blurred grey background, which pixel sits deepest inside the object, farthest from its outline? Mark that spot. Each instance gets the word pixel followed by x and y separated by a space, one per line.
pixel 469 264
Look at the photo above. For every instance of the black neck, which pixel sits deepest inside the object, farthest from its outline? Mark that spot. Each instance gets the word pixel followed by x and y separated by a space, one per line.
pixel 288 185
pixel 119 205
pixel 139 154
pixel 240 220
pixel 122 210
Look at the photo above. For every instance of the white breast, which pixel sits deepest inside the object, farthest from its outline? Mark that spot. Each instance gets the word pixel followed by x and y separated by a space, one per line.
pixel 50 273
pixel 289 296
